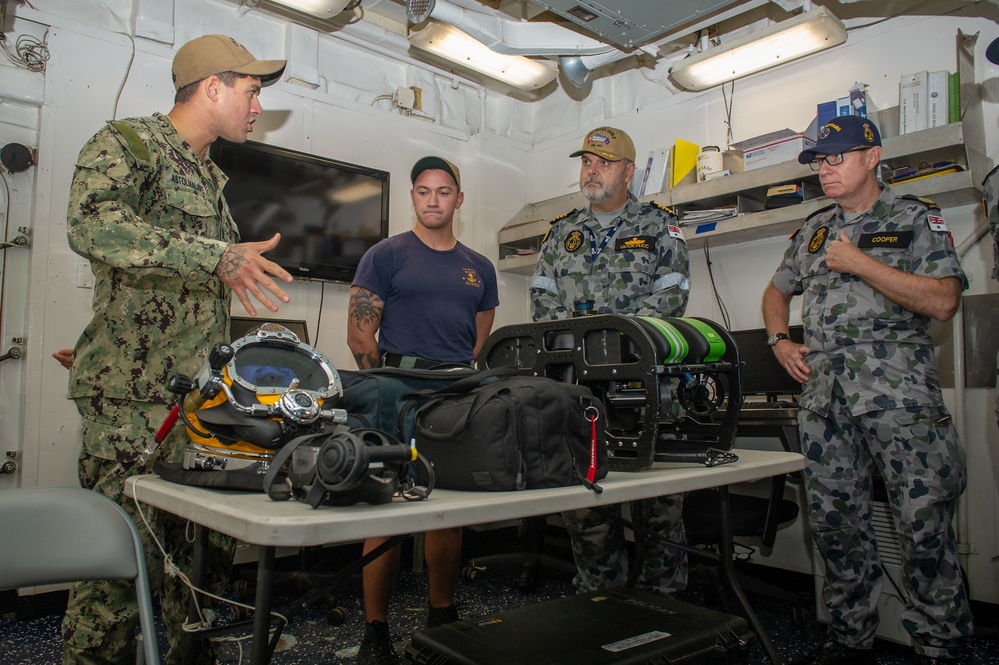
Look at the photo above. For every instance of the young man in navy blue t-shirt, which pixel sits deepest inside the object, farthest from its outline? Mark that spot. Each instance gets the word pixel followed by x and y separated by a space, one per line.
pixel 431 300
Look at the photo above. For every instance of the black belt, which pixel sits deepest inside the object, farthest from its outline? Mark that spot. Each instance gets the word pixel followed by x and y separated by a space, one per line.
pixel 416 362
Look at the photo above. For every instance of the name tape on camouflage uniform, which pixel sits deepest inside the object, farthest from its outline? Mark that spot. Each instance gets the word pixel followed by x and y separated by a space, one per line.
pixel 635 242
pixel 896 239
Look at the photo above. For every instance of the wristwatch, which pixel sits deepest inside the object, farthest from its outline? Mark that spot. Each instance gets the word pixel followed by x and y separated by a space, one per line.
pixel 776 337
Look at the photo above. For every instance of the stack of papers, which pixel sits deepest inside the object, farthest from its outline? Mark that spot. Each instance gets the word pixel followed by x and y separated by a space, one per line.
pixel 694 217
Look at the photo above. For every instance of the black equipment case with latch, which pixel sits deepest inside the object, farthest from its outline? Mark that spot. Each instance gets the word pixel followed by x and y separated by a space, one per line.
pixel 619 626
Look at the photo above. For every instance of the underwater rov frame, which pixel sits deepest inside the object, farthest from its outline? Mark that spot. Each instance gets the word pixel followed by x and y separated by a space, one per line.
pixel 671 386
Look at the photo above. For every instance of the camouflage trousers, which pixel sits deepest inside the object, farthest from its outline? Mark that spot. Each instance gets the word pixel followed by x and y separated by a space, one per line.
pixel 601 553
pixel 921 459
pixel 101 617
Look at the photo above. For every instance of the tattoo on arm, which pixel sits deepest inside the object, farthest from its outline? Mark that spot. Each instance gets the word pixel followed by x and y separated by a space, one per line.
pixel 365 308
pixel 232 260
pixel 366 360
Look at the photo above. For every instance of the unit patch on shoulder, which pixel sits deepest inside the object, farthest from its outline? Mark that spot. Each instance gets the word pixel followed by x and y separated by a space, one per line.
pixel 573 241
pixel 936 223
pixel 818 239
pixel 634 242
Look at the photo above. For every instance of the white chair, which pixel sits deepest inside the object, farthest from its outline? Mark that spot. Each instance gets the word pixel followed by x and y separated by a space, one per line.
pixel 57 535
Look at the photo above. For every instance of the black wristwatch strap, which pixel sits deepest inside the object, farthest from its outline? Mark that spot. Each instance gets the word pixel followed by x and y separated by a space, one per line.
pixel 776 337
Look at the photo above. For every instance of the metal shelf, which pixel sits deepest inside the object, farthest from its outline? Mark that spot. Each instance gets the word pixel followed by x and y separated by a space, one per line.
pixel 948 142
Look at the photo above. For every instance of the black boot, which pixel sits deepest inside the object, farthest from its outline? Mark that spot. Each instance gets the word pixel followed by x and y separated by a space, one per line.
pixel 438 616
pixel 376 646
pixel 832 652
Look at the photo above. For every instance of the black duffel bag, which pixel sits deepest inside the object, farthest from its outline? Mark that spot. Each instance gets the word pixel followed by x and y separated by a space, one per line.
pixel 386 398
pixel 496 432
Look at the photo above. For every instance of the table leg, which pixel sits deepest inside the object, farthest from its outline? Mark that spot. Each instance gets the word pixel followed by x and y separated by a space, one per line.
pixel 261 651
pixel 728 571
pixel 199 573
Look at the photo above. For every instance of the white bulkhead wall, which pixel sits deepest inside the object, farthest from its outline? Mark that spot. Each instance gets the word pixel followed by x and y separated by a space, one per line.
pixel 512 151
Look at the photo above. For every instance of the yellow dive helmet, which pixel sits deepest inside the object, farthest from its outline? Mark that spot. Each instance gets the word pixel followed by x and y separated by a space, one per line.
pixel 255 395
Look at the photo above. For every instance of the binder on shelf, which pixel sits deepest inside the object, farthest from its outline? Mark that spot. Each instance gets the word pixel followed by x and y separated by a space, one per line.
pixel 938 99
pixel 655 173
pixel 825 111
pixel 912 102
pixel 954 105
pixel 637 183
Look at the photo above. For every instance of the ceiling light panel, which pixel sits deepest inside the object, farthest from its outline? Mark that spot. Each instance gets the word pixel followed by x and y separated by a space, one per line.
pixel 630 23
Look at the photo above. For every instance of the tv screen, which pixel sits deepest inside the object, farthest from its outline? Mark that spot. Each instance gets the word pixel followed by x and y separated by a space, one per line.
pixel 328 212
pixel 761 373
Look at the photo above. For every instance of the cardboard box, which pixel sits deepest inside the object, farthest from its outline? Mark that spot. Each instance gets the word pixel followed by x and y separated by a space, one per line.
pixel 860 101
pixel 773 148
pixel 732 161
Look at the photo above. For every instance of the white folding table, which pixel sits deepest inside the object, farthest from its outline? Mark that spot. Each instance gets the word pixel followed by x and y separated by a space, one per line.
pixel 254 518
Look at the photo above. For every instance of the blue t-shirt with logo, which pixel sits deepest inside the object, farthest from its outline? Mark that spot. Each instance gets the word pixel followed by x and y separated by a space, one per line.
pixel 431 297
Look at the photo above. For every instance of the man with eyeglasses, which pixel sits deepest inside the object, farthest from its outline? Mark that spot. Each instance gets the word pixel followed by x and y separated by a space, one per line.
pixel 873 269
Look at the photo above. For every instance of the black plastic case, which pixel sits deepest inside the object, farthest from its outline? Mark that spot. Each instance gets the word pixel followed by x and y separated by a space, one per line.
pixel 619 626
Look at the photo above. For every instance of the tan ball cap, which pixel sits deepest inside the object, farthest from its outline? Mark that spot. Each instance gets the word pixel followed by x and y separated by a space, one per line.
pixel 214 54
pixel 607 142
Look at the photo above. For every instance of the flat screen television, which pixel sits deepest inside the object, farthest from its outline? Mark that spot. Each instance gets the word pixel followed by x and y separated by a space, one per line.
pixel 328 212
pixel 761 373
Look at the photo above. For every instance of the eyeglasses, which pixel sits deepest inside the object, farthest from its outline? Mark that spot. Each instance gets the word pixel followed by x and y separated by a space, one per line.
pixel 832 160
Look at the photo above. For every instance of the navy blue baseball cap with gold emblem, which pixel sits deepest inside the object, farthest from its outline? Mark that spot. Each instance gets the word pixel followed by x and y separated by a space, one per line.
pixel 841 134
pixel 992 51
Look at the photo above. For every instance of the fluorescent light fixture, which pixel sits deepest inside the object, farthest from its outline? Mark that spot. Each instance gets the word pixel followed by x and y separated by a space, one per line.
pixel 359 191
pixel 449 42
pixel 318 8
pixel 776 44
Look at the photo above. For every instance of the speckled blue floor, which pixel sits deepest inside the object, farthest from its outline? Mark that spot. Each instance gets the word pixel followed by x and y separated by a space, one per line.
pixel 310 639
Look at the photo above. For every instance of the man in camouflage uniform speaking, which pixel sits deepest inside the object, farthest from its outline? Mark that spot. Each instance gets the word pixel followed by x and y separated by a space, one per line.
pixel 146 208
pixel 873 269
pixel 627 258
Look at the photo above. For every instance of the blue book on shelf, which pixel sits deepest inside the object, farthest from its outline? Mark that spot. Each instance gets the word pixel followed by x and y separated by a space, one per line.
pixel 826 111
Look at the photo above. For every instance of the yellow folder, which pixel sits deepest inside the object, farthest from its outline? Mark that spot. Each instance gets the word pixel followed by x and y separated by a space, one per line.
pixel 684 161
